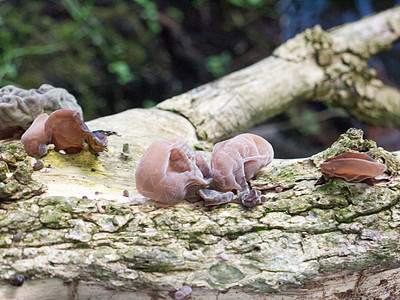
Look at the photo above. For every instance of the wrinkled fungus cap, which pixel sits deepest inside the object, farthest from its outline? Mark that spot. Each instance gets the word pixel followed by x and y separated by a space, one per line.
pixel 170 171
pixel 236 160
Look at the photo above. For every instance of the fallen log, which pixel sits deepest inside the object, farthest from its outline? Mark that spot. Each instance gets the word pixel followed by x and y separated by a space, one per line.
pixel 86 237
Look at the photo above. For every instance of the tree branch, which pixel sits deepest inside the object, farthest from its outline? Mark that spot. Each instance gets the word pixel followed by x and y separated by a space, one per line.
pixel 324 66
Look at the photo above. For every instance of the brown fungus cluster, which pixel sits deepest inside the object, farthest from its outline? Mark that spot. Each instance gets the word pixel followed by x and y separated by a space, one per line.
pixel 170 171
pixel 19 107
pixel 63 128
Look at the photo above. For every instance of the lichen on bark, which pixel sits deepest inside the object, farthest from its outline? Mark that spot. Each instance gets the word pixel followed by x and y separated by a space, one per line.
pixel 299 233
pixel 16 174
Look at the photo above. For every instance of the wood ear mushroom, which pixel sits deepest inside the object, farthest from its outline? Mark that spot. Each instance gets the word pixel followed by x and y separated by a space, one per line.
pixel 351 167
pixel 170 171
pixel 35 137
pixel 63 128
pixel 236 160
pixel 233 163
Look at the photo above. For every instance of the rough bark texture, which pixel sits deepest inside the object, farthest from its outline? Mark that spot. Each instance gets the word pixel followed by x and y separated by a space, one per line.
pixel 339 240
pixel 321 236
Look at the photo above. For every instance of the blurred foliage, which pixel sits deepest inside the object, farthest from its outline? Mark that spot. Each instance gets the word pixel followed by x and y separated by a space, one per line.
pixel 114 55
pixel 305 121
pixel 218 64
pixel 119 54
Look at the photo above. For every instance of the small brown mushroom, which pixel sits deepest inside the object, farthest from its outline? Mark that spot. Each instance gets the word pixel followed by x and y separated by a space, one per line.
pixel 236 160
pixel 66 130
pixel 351 167
pixel 36 138
pixel 171 171
pixel 38 165
pixel 97 139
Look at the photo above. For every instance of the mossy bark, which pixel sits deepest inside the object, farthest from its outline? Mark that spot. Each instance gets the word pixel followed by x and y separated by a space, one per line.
pixel 303 234
pixel 339 239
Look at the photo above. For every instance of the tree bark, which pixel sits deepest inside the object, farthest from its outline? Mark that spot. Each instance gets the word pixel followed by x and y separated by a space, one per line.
pixel 338 240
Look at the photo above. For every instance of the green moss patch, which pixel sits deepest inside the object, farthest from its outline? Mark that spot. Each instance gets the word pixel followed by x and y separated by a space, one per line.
pixel 16 174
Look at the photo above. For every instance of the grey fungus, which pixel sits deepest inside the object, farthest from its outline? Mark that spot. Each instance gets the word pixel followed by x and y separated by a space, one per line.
pixel 18 236
pixel 222 256
pixel 19 107
pixel 236 160
pixel 170 171
pixel 63 128
pixel 183 292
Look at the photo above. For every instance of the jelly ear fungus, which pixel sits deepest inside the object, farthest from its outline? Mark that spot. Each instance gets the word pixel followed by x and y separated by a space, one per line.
pixel 233 163
pixel 35 137
pixel 351 167
pixel 171 171
pixel 63 128
pixel 236 160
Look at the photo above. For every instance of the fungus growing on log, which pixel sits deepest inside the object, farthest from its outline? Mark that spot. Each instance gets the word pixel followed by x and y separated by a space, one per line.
pixel 351 167
pixel 236 160
pixel 35 138
pixel 171 171
pixel 19 107
pixel 66 130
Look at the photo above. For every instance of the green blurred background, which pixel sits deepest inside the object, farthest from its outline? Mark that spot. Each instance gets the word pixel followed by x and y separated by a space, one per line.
pixel 121 54
pixel 114 55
